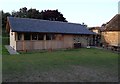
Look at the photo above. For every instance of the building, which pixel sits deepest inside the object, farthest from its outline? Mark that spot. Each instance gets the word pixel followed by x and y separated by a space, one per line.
pixel 96 41
pixel 95 29
pixel 35 34
pixel 111 33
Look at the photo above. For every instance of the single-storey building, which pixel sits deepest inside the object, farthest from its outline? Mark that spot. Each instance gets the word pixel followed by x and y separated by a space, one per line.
pixel 36 34
pixel 111 33
pixel 96 38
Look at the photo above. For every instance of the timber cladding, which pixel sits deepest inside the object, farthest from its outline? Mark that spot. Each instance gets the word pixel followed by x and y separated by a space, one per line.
pixel 111 37
pixel 61 42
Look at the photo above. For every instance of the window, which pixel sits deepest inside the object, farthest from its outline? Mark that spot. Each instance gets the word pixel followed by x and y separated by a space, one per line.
pixel 40 36
pixel 50 37
pixel 34 36
pixel 53 37
pixel 19 36
pixel 77 39
pixel 27 36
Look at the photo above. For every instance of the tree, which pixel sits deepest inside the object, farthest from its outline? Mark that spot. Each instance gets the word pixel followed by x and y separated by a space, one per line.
pixel 4 21
pixel 33 13
pixel 52 15
pixel 21 13
pixel 4 18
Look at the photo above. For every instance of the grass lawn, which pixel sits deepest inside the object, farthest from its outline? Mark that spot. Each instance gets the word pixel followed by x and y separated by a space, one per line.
pixel 3 50
pixel 4 39
pixel 78 65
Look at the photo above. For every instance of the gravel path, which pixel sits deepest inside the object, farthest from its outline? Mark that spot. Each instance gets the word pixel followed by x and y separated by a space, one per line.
pixel 73 74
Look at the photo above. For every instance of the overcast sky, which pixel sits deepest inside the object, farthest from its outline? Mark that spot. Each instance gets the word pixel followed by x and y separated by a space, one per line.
pixel 91 12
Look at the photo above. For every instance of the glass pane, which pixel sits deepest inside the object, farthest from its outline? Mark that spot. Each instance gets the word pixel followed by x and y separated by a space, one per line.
pixel 40 36
pixel 48 36
pixel 53 37
pixel 34 36
pixel 27 36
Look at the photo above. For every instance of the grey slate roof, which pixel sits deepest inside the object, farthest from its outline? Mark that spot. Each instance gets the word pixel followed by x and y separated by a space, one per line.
pixel 45 26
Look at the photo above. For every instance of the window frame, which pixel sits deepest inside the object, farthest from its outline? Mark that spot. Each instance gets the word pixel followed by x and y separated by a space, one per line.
pixel 19 36
pixel 51 36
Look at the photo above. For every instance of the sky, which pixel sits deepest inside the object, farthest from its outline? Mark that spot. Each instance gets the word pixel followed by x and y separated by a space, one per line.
pixel 91 12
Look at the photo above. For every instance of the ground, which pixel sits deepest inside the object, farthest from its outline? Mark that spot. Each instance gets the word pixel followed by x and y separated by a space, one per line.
pixel 73 65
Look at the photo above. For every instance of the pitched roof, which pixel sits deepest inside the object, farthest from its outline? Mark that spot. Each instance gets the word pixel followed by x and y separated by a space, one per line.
pixel 113 24
pixel 96 28
pixel 45 26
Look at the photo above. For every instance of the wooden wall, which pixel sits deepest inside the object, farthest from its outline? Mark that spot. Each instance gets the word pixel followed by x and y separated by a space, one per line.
pixel 111 37
pixel 61 42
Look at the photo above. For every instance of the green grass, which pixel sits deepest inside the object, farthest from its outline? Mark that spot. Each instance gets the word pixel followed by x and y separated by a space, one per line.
pixel 5 37
pixel 93 58
pixel 3 50
pixel 5 40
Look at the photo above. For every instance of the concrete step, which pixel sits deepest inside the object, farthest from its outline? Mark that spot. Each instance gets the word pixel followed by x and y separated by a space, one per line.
pixel 11 50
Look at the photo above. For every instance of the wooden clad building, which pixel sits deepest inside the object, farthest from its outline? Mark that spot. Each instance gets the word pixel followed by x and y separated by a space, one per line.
pixel 36 34
pixel 111 33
